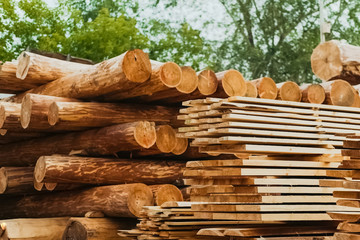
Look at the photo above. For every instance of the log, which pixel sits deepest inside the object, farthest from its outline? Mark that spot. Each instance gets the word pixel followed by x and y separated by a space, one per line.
pixel 123 72
pixel 38 69
pixel 356 102
pixel 166 193
pixel 96 228
pixel 181 145
pixel 50 186
pixel 288 91
pixel 338 92
pixel 16 180
pixel 104 141
pixel 124 200
pixel 7 137
pixel 336 60
pixel 86 170
pixel 251 90
pixel 165 138
pixel 207 82
pixel 312 93
pixel 231 83
pixel 266 87
pixel 10 116
pixel 67 115
pixel 38 185
pixel 34 228
pixel 164 76
pixel 35 108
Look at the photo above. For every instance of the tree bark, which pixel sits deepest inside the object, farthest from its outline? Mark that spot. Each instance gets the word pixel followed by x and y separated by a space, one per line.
pixel 124 200
pixel 104 141
pixel 335 60
pixel 16 180
pixel 96 228
pixel 7 137
pixel 34 228
pixel 65 115
pixel 266 87
pixel 69 169
pixel 338 92
pixel 231 83
pixel 312 93
pixel 166 193
pixel 121 73
pixel 38 69
pixel 289 91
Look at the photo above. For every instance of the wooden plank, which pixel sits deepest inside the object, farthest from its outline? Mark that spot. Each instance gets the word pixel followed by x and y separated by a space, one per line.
pixel 347 194
pixel 318 158
pixel 338 183
pixel 257 181
pixel 345 216
pixel 353 184
pixel 265 199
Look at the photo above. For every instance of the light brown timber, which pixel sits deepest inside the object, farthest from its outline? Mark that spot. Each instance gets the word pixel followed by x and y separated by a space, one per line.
pixel 312 93
pixel 16 180
pixel 339 93
pixel 266 87
pixel 166 193
pixel 288 91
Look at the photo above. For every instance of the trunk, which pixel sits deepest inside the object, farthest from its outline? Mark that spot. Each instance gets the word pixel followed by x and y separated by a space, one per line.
pixel 266 87
pixel 34 229
pixel 164 76
pixel 165 138
pixel 16 180
pixel 339 92
pixel 312 93
pixel 39 69
pixel 65 115
pixel 251 90
pixel 180 146
pixel 356 102
pixel 35 108
pixel 121 73
pixel 39 186
pixel 10 116
pixel 288 91
pixel 231 83
pixel 124 200
pixel 68 169
pixel 104 141
pixel 7 137
pixel 96 228
pixel 335 60
pixel 207 83
pixel 166 193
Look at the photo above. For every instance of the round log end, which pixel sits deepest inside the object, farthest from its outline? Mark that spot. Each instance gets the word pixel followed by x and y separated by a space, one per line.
pixel 181 146
pixel 340 93
pixel 315 93
pixel 289 91
pixel 2 117
pixel 165 138
pixel 234 83
pixel 167 193
pixel 170 74
pixel 356 98
pixel 23 66
pixel 139 195
pixel 266 87
pixel 145 134
pixel 53 114
pixel 40 169
pixel 3 180
pixel 75 231
pixel 38 185
pixel 50 186
pixel 326 60
pixel 189 80
pixel 136 66
pixel 25 115
pixel 251 90
pixel 207 82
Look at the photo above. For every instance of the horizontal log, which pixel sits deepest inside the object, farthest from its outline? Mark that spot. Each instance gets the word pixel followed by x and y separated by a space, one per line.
pixel 312 93
pixel 71 169
pixel 289 91
pixel 103 141
pixel 166 193
pixel 207 83
pixel 124 200
pixel 251 90
pixel 10 116
pixel 16 180
pixel 231 83
pixel 11 136
pixel 266 87
pixel 338 92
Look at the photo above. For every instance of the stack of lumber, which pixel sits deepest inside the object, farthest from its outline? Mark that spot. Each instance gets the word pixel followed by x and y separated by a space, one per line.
pixel 349 196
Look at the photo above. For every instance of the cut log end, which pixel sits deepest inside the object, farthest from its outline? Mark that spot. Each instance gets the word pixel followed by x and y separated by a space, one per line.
pixel 145 134
pixel 181 146
pixel 165 138
pixel 340 93
pixel 139 196
pixel 170 74
pixel 23 66
pixel 38 185
pixel 326 61
pixel 136 66
pixel 189 80
pixel 3 180
pixel 207 82
pixel 40 169
pixel 356 98
pixel 166 193
pixel 266 87
pixel 75 231
pixel 313 93
pixel 251 90
pixel 289 91
pixel 234 83
pixel 26 107
pixel 2 119
pixel 53 114
pixel 50 186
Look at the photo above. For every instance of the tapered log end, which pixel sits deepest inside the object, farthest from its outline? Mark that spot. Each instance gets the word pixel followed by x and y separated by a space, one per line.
pixel 326 61
pixel 139 196
pixel 165 138
pixel 166 193
pixel 181 146
pixel 251 90
pixel 3 180
pixel 145 134
pixel 75 231
pixel 289 91
pixel 136 66
pixel 339 92
pixel 2 118
pixel 38 185
pixel 234 83
pixel 170 74
pixel 50 186
pixel 315 93
pixel 207 82
pixel 53 114
pixel 189 80
pixel 23 66
pixel 26 107
pixel 266 87
pixel 40 170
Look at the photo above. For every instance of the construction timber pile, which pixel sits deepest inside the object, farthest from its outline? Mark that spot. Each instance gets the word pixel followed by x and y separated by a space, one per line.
pixel 86 149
